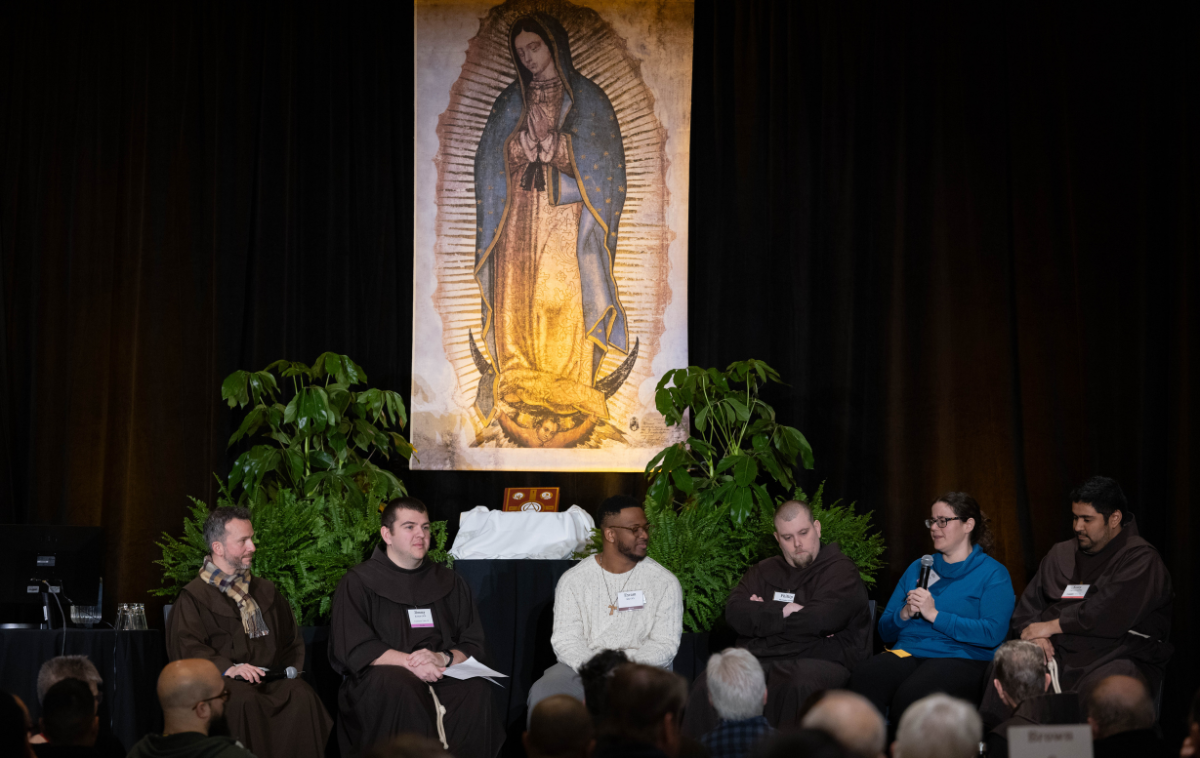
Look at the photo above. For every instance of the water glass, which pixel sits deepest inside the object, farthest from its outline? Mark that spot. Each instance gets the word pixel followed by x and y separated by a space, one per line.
pixel 85 615
pixel 123 618
pixel 139 617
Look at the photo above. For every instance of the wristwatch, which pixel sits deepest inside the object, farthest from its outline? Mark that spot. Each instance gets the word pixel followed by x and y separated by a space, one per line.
pixel 449 658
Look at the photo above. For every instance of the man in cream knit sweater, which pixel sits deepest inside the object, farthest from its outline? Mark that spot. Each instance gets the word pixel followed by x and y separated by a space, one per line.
pixel 616 600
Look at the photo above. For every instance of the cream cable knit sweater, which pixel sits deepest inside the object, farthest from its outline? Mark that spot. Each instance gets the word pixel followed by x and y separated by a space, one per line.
pixel 583 625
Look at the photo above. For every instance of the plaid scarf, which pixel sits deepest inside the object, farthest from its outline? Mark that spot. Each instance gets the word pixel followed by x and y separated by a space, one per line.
pixel 237 588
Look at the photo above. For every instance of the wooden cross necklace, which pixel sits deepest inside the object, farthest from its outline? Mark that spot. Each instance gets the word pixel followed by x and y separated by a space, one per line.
pixel 604 575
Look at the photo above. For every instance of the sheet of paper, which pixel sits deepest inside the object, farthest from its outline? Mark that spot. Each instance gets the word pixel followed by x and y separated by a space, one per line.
pixel 472 668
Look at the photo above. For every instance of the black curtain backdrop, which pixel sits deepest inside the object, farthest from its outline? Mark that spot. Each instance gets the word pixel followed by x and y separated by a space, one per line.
pixel 965 235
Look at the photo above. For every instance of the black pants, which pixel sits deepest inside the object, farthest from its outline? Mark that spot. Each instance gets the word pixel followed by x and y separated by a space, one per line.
pixel 893 683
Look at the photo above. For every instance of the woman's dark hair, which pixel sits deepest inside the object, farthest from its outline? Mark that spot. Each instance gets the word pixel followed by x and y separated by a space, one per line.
pixel 526 24
pixel 965 507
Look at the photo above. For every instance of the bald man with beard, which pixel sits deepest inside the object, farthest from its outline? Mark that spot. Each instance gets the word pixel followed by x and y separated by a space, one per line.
pixel 192 693
pixel 802 613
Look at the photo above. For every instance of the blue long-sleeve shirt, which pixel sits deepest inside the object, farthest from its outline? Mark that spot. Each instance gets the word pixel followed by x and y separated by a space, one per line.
pixel 974 600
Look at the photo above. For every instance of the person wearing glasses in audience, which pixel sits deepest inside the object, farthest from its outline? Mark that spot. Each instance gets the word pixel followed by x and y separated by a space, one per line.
pixel 941 638
pixel 617 599
pixel 193 695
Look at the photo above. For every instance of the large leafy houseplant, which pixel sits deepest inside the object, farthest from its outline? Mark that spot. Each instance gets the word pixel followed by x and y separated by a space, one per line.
pixel 324 439
pixel 312 482
pixel 710 505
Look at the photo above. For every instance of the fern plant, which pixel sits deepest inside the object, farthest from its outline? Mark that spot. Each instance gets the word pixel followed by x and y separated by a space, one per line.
pixel 852 532
pixel 304 546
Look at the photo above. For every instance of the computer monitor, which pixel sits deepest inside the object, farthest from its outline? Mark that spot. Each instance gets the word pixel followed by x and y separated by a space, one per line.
pixel 70 559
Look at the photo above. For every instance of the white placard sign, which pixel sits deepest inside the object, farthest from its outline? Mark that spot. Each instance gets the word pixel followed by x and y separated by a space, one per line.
pixel 1066 741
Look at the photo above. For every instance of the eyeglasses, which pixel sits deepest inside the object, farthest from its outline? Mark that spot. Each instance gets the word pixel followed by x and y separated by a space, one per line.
pixel 941 522
pixel 634 530
pixel 224 697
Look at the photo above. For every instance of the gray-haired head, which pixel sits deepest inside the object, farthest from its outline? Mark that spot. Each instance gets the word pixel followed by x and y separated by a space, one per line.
pixel 736 684
pixel 790 509
pixel 939 726
pixel 852 720
pixel 1020 666
pixel 214 525
pixel 63 667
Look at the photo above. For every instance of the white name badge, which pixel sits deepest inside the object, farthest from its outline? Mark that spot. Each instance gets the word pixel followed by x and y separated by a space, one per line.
pixel 633 600
pixel 785 597
pixel 1073 741
pixel 1075 591
pixel 420 617
pixel 933 578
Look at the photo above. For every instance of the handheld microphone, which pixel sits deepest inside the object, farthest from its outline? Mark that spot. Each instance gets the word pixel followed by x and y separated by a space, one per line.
pixel 923 580
pixel 273 676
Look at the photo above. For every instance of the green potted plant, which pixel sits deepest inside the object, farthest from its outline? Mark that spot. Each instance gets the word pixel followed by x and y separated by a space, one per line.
pixel 312 482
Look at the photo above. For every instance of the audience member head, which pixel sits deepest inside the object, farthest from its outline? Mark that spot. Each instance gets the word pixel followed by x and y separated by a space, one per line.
pixel 63 667
pixel 404 526
pixel 1191 743
pixel 596 674
pixel 623 523
pixel 970 520
pixel 1020 672
pixel 938 726
pixel 1098 511
pixel 852 720
pixel 798 535
pixel 737 686
pixel 645 704
pixel 69 714
pixel 809 743
pixel 409 746
pixel 560 727
pixel 14 727
pixel 193 697
pixel 230 538
pixel 1118 704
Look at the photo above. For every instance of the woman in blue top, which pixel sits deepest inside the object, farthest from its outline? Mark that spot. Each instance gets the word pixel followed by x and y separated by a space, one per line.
pixel 963 616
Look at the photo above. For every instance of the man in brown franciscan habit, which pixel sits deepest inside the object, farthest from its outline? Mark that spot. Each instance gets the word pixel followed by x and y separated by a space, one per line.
pixel 1100 604
pixel 399 621
pixel 803 614
pixel 244 626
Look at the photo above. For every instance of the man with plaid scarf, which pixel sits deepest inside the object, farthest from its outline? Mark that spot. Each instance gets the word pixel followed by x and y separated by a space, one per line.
pixel 242 624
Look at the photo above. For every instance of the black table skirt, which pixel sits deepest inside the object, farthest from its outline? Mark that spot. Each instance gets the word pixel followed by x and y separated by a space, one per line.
pixel 515 599
pixel 129 663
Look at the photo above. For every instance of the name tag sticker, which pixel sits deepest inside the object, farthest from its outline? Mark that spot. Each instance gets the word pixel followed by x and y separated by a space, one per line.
pixel 785 597
pixel 933 578
pixel 1075 591
pixel 633 600
pixel 420 617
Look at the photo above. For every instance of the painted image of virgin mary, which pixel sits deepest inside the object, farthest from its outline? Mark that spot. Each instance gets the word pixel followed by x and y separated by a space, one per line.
pixel 549 189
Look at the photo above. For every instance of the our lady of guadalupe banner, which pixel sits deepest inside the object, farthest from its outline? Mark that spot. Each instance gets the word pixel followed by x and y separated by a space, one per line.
pixel 550 230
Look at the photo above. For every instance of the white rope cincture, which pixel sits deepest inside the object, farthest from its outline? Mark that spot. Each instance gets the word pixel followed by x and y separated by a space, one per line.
pixel 441 714
pixel 1053 666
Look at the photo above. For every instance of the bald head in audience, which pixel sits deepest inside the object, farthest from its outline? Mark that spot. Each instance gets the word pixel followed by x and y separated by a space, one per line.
pixel 1119 704
pixel 191 692
pixel 851 720
pixel 560 727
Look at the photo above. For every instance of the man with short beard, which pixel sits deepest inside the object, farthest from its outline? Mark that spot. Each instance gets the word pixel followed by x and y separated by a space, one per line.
pixel 1099 604
pixel 803 614
pixel 246 628
pixel 193 697
pixel 618 599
